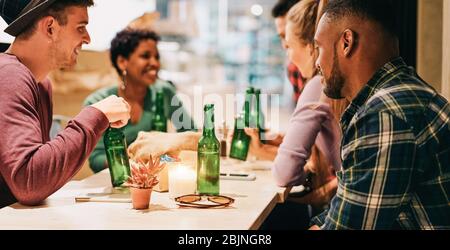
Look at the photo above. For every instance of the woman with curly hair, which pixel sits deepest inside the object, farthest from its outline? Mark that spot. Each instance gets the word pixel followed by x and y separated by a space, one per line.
pixel 135 56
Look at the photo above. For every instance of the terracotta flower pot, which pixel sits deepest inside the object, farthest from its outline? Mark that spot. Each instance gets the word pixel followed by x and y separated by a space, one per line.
pixel 140 197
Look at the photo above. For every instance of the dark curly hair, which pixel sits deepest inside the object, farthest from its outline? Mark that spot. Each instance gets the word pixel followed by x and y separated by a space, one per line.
pixel 126 41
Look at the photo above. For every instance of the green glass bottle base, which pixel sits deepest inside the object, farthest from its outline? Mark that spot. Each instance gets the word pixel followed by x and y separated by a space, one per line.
pixel 208 173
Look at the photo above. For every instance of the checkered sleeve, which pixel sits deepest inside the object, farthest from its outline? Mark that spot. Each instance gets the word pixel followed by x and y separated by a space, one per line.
pixel 376 177
pixel 319 220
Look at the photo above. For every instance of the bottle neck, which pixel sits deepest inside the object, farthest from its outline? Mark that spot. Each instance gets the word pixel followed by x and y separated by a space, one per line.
pixel 208 125
pixel 247 107
pixel 258 102
pixel 112 130
pixel 239 122
pixel 258 110
pixel 159 104
pixel 114 135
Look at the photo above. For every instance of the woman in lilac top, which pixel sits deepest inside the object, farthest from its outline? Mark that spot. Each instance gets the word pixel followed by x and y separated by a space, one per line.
pixel 314 121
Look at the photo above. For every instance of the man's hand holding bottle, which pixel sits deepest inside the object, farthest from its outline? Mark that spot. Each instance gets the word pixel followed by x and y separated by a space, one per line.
pixel 116 109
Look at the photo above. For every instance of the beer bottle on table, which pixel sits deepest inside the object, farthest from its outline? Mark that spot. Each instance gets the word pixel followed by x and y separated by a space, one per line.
pixel 159 122
pixel 240 143
pixel 117 156
pixel 208 156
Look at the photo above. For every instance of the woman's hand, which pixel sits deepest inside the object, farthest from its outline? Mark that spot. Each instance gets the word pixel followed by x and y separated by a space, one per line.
pixel 255 143
pixel 257 148
pixel 274 139
pixel 159 143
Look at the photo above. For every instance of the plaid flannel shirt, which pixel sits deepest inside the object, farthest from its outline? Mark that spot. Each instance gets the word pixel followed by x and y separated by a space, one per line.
pixel 396 156
pixel 296 80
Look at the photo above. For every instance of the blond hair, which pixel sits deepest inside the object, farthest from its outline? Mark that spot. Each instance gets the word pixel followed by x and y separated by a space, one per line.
pixel 305 16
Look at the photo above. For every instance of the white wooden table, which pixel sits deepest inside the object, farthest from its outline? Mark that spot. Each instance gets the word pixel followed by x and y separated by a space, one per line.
pixel 254 200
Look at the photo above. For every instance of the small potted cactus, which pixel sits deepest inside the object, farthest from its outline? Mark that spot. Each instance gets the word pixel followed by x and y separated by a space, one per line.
pixel 142 180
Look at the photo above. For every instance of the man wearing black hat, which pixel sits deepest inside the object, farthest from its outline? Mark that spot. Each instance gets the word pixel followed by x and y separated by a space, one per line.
pixel 49 35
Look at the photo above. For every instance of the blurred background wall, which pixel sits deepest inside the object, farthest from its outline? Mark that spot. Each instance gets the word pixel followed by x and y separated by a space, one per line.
pixel 446 52
pixel 429 37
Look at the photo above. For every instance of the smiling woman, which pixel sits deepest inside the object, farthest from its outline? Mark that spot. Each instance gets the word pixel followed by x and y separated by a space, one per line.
pixel 135 56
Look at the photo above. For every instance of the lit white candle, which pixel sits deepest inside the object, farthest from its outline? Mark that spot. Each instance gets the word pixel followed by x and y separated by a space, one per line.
pixel 182 180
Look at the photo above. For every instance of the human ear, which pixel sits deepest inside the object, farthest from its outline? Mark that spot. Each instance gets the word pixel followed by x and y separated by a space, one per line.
pixel 122 63
pixel 349 41
pixel 48 26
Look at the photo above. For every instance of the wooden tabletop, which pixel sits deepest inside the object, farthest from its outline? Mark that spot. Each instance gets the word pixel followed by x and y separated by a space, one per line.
pixel 254 200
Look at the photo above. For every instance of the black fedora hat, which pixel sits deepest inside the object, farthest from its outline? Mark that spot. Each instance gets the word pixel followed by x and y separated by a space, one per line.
pixel 19 14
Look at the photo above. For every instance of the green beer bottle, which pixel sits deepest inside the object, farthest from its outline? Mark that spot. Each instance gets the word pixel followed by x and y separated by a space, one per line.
pixel 117 156
pixel 240 143
pixel 159 122
pixel 208 156
pixel 260 121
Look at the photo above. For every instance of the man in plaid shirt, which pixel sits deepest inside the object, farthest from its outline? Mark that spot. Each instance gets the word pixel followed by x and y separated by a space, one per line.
pixel 396 131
